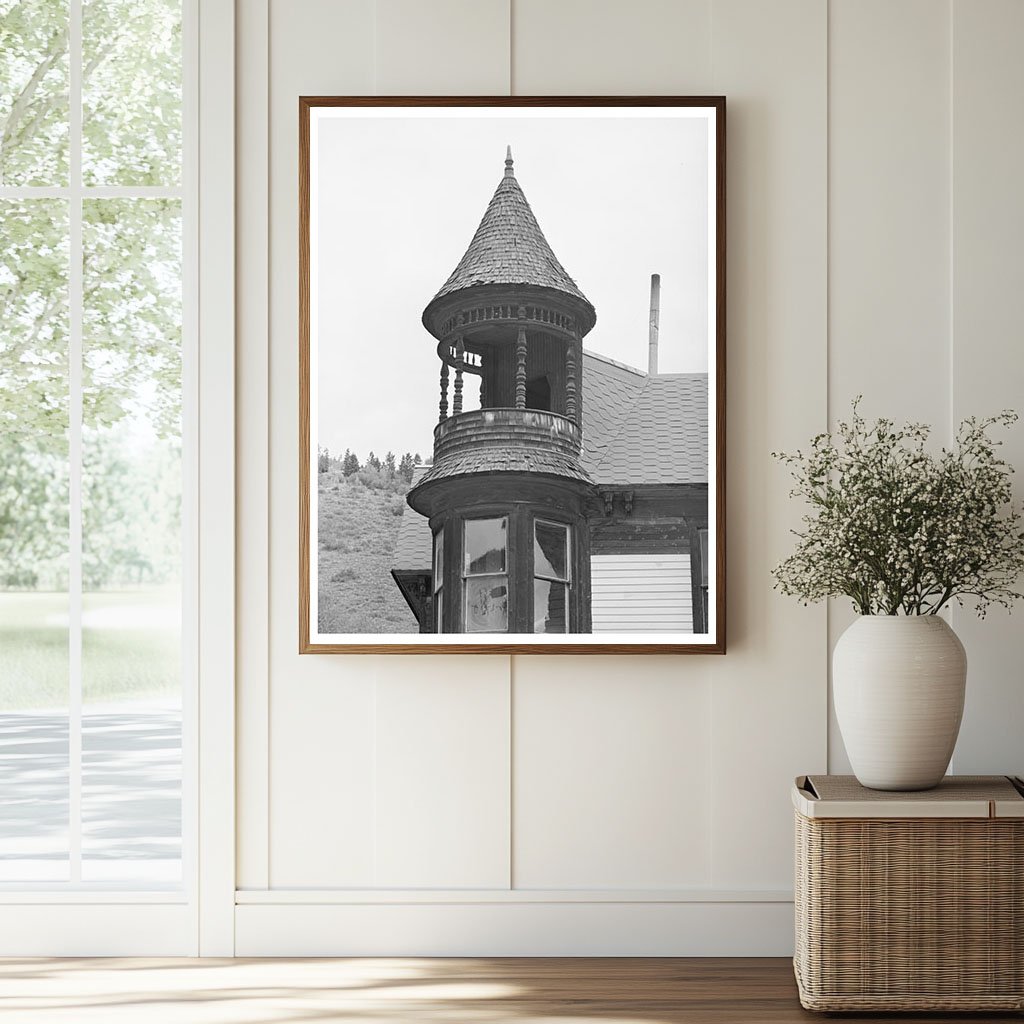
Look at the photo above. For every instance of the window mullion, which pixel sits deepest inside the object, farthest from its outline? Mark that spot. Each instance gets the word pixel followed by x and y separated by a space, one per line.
pixel 75 334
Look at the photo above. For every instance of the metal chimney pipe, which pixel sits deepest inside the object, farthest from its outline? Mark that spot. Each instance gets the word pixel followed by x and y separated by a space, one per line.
pixel 652 335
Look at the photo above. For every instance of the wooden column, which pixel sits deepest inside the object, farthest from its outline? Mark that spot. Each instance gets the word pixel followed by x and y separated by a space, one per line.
pixel 483 383
pixel 460 355
pixel 457 402
pixel 521 369
pixel 570 381
pixel 577 348
pixel 443 404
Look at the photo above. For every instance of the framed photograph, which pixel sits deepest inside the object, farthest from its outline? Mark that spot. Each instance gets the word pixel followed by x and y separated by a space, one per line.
pixel 512 375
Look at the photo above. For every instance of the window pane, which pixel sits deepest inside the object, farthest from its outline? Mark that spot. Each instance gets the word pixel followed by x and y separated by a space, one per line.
pixel 131 541
pixel 33 92
pixel 550 550
pixel 486 604
pixel 438 587
pixel 549 607
pixel 33 540
pixel 439 559
pixel 131 92
pixel 485 545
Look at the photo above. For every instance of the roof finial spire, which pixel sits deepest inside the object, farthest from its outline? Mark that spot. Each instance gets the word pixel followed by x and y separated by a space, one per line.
pixel 509 173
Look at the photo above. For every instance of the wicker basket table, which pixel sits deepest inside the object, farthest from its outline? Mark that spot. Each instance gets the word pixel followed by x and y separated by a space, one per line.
pixel 910 901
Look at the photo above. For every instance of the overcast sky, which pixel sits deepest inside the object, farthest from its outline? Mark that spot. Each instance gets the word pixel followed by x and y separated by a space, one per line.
pixel 399 200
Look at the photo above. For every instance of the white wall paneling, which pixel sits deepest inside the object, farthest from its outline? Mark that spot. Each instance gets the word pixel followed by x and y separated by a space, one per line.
pixel 768 693
pixel 383 771
pixel 889 289
pixel 441 48
pixel 987 366
pixel 106 926
pixel 320 759
pixel 252 592
pixel 889 208
pixel 612 779
pixel 612 805
pixel 608 48
pixel 217 451
pixel 441 796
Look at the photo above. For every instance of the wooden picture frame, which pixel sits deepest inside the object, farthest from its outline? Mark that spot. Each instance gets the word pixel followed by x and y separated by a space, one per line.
pixel 542 514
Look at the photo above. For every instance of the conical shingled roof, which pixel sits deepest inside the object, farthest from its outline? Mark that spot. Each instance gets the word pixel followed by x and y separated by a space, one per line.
pixel 509 248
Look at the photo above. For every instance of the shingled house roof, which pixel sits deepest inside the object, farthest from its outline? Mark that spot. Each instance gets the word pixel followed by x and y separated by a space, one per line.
pixel 510 248
pixel 637 430
pixel 644 430
pixel 415 548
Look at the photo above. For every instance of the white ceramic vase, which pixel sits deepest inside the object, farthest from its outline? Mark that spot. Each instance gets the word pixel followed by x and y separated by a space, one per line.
pixel 898 683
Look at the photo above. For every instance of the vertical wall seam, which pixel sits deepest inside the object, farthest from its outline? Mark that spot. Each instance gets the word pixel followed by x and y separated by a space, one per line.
pixel 266 738
pixel 511 48
pixel 252 757
pixel 711 674
pixel 711 44
pixel 376 41
pixel 374 782
pixel 950 125
pixel 950 354
pixel 828 344
pixel 510 689
pixel 511 693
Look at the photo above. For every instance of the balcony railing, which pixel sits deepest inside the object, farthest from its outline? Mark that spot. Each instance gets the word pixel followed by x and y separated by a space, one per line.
pixel 481 429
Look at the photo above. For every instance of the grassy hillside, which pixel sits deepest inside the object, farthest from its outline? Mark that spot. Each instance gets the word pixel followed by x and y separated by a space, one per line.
pixel 357 532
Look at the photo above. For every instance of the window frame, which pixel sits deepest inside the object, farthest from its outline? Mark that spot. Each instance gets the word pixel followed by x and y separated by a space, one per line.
pixel 200 921
pixel 567 581
pixel 508 519
pixel 75 193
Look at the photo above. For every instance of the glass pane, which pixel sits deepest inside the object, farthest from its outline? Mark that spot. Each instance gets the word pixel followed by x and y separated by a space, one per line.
pixel 439 559
pixel 486 604
pixel 131 92
pixel 485 545
pixel 33 92
pixel 549 607
pixel 438 587
pixel 131 541
pixel 550 549
pixel 33 540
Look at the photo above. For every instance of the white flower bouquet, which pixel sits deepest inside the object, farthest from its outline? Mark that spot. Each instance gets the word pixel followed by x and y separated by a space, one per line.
pixel 901 530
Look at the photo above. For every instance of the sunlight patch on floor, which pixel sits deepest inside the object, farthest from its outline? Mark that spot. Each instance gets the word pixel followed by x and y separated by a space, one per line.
pixel 189 991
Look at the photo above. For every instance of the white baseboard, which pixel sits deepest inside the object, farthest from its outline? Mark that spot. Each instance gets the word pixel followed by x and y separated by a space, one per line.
pixel 520 928
pixel 97 929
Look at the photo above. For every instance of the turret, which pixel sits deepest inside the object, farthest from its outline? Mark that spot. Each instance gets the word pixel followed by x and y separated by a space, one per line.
pixel 506 495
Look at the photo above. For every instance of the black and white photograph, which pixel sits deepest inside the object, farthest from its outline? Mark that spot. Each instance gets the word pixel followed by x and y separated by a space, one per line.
pixel 511 375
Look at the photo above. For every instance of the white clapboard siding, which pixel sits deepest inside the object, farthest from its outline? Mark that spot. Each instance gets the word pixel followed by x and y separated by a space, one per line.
pixel 641 594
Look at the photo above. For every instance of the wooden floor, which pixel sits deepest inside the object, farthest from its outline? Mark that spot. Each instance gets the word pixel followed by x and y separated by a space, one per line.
pixel 381 991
